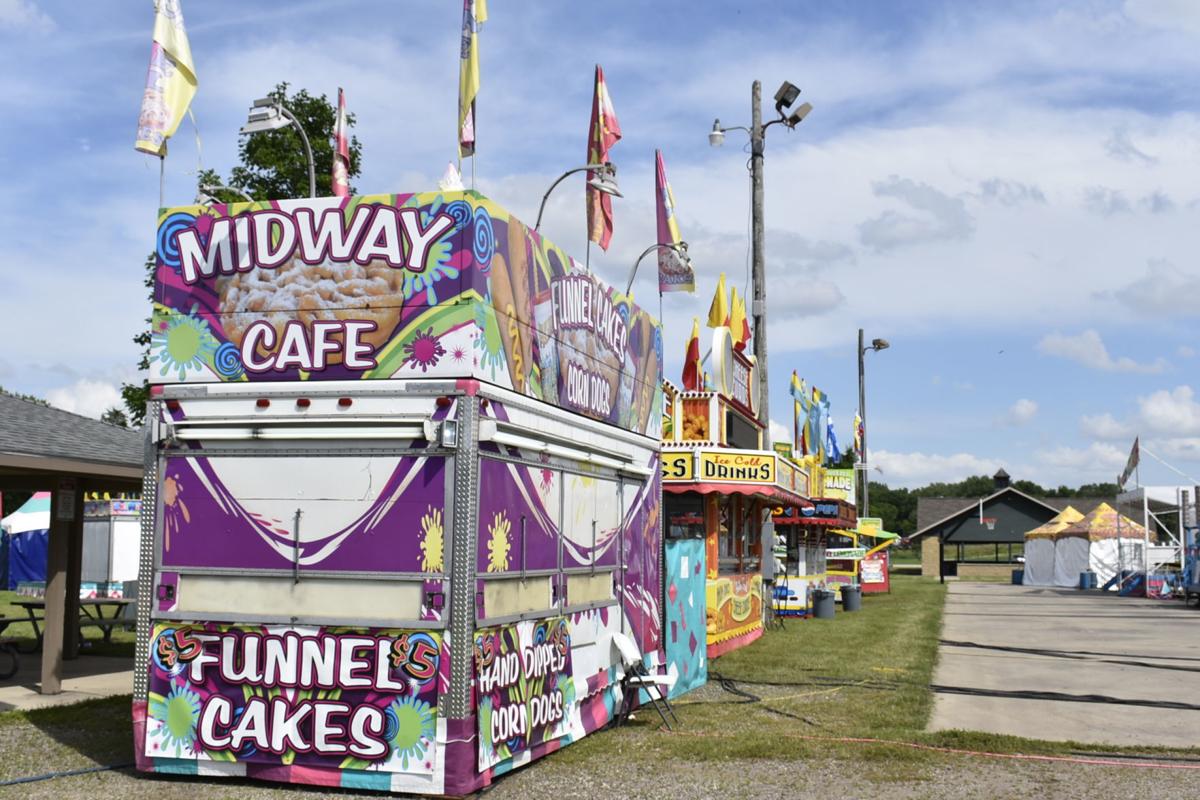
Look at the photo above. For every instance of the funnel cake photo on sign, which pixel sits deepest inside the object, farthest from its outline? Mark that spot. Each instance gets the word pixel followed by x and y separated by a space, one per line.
pixel 306 293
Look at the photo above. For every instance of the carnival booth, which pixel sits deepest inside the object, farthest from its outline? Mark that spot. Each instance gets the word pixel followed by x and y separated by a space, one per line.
pixel 810 529
pixel 1040 548
pixel 1103 542
pixel 111 534
pixel 26 534
pixel 405 474
pixel 874 569
pixel 717 477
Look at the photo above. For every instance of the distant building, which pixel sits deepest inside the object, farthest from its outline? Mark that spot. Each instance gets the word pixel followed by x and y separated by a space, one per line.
pixel 984 536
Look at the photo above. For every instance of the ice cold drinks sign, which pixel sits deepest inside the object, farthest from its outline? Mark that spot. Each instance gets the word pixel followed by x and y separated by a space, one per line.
pixel 523 674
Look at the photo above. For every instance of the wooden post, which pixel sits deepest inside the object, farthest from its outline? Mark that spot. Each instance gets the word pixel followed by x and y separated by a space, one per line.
pixel 62 511
pixel 74 571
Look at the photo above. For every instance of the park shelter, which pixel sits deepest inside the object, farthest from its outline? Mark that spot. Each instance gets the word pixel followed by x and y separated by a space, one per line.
pixel 26 534
pixel 985 536
pixel 1103 542
pixel 1039 548
pixel 48 448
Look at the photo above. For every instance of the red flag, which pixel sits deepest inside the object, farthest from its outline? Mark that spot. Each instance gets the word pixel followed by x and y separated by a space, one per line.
pixel 604 132
pixel 340 177
pixel 692 375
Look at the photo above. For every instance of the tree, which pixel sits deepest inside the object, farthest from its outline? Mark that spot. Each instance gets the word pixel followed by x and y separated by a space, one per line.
pixel 27 397
pixel 273 163
pixel 273 166
pixel 115 416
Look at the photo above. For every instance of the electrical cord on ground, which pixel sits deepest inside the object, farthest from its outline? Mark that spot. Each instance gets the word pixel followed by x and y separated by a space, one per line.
pixel 63 774
pixel 730 686
pixel 1027 694
pixel 1077 655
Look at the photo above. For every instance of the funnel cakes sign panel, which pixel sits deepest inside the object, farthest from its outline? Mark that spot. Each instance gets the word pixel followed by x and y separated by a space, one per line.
pixel 442 284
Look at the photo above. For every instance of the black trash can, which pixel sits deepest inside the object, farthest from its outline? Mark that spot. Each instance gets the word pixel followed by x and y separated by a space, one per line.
pixel 822 604
pixel 1087 580
pixel 851 598
pixel 1018 577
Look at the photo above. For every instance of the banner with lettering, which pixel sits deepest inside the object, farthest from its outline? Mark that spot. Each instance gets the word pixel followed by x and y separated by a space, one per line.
pixel 525 687
pixel 294 696
pixel 435 285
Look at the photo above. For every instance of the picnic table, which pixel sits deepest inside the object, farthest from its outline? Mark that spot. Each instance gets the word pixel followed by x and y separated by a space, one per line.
pixel 91 614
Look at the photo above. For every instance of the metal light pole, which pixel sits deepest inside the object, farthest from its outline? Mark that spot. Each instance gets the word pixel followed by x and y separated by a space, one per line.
pixel 267 114
pixel 784 98
pixel 863 468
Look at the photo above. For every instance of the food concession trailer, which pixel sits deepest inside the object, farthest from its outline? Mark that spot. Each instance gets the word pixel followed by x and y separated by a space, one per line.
pixel 401 491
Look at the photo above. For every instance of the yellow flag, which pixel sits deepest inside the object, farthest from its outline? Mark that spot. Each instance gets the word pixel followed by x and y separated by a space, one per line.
pixel 739 328
pixel 170 80
pixel 474 14
pixel 718 312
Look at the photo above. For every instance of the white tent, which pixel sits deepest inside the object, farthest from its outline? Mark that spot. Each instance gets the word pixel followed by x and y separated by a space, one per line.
pixel 1039 548
pixel 1103 542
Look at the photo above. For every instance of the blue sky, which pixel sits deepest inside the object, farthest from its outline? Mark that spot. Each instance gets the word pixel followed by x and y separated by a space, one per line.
pixel 1006 191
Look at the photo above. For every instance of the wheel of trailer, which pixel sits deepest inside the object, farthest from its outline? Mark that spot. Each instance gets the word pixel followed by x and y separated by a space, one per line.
pixel 10 660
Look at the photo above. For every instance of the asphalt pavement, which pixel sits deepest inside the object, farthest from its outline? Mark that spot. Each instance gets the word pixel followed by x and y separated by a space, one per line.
pixel 1068 665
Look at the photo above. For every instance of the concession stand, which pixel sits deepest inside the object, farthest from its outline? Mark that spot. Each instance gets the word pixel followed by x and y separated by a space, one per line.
pixel 720 486
pixel 807 530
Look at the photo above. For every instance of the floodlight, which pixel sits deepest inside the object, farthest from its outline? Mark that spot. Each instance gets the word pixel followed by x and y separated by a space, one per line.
pixel 786 95
pixel 798 115
pixel 606 181
pixel 879 344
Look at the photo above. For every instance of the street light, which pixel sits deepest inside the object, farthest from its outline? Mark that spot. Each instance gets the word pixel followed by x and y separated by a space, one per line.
pixel 784 98
pixel 207 193
pixel 863 467
pixel 269 115
pixel 679 251
pixel 605 181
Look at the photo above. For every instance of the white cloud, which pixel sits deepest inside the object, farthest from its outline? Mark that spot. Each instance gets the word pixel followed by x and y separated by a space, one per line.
pixel 919 469
pixel 1121 147
pixel 1105 201
pixel 1174 412
pixel 1184 351
pixel 1163 289
pixel 1087 348
pixel 1104 426
pixel 24 16
pixel 938 216
pixel 780 432
pixel 91 398
pixel 1021 412
pixel 1172 15
pixel 1098 457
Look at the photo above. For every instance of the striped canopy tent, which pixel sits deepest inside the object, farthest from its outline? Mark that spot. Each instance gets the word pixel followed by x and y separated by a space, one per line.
pixel 1103 542
pixel 1039 547
pixel 26 538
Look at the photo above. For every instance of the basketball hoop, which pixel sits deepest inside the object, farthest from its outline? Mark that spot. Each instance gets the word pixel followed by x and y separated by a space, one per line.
pixel 989 521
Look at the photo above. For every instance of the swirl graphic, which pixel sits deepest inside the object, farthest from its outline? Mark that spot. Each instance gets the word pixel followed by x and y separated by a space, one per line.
pixel 485 239
pixel 228 361
pixel 460 210
pixel 168 247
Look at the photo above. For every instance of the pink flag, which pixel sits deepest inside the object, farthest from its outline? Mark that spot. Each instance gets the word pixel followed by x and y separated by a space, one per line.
pixel 341 151
pixel 604 132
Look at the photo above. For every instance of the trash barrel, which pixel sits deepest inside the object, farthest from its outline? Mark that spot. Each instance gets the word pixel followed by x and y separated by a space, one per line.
pixel 1018 577
pixel 822 604
pixel 1087 580
pixel 851 598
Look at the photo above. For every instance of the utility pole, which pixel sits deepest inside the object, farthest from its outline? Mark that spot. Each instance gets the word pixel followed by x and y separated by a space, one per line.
pixel 862 414
pixel 758 276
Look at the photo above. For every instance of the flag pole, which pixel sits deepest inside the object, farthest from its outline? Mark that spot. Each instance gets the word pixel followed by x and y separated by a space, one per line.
pixel 162 174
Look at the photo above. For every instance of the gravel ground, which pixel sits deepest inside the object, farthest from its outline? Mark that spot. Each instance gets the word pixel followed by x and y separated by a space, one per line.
pixel 26 750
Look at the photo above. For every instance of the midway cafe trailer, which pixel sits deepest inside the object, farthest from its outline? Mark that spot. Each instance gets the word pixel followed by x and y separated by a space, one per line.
pixel 403 461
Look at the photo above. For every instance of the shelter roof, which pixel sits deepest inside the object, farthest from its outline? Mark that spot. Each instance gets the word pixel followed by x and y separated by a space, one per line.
pixel 34 438
pixel 932 512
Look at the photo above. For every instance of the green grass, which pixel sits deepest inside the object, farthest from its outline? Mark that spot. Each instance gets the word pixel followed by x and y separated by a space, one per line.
pixel 93 637
pixel 861 675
